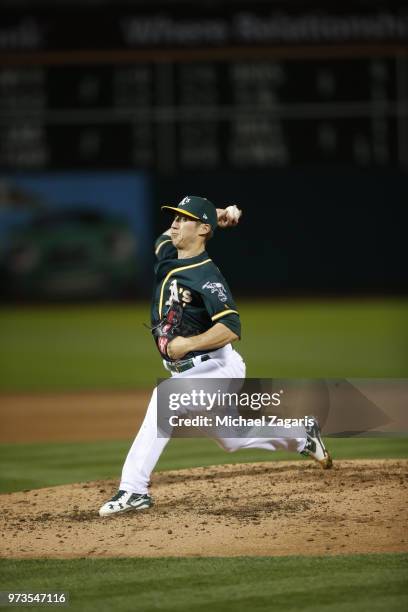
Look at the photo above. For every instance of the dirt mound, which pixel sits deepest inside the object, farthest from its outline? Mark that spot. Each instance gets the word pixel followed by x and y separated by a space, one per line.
pixel 277 508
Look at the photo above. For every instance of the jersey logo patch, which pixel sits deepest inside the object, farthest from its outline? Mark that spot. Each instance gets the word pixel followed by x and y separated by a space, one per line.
pixel 177 292
pixel 173 297
pixel 217 287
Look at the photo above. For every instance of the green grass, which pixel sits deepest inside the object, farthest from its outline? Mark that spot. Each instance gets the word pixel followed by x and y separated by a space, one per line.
pixel 107 347
pixel 28 466
pixel 360 583
pixel 76 347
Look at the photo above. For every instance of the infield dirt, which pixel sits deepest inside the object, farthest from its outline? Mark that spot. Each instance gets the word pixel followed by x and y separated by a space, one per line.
pixel 285 508
pixel 277 508
pixel 71 417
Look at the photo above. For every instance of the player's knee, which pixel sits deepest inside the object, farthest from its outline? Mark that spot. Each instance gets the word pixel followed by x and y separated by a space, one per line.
pixel 227 445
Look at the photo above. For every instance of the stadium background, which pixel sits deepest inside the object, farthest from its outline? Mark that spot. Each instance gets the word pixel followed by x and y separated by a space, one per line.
pixel 107 110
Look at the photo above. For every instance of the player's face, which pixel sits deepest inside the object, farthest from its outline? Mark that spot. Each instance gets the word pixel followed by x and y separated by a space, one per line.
pixel 185 232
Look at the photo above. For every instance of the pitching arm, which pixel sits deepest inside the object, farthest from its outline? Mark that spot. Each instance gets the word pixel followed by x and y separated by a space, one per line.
pixel 229 216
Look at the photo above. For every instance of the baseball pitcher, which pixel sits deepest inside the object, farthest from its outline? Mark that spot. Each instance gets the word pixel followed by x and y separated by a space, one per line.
pixel 194 321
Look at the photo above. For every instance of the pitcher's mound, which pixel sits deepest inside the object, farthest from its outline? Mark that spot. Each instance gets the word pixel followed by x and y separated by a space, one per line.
pixel 277 508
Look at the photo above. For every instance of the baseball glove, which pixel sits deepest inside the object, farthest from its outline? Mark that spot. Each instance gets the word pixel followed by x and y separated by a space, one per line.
pixel 168 328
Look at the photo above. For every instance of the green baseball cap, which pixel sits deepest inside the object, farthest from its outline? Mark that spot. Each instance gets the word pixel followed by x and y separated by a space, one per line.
pixel 197 208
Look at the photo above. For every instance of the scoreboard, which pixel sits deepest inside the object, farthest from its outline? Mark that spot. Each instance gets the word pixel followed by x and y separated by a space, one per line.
pixel 181 115
pixel 170 90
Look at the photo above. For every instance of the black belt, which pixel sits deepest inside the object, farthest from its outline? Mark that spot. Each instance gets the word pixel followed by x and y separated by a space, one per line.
pixel 186 364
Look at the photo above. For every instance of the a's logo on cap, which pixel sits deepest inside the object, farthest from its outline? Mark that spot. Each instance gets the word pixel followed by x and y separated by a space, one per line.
pixel 205 216
pixel 184 201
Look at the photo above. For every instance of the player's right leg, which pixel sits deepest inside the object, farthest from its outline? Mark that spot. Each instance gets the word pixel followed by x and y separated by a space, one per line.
pixel 314 446
pixel 311 445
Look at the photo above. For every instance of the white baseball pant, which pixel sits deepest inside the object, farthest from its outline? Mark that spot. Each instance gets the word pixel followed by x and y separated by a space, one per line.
pixel 147 447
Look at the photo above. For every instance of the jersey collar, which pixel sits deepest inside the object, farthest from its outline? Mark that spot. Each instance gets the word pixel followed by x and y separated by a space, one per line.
pixel 192 260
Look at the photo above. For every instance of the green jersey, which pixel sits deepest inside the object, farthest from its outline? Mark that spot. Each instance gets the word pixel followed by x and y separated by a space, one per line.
pixel 198 285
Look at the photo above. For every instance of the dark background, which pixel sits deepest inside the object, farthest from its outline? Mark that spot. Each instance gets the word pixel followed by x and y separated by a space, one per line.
pixel 304 125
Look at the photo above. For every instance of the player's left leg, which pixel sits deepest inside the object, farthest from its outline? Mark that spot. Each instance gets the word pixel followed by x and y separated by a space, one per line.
pixel 140 461
pixel 144 452
pixel 148 446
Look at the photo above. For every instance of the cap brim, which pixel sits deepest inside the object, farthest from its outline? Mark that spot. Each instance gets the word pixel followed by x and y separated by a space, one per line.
pixel 182 212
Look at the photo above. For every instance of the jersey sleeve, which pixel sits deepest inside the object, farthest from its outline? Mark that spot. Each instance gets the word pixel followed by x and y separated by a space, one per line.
pixel 164 249
pixel 219 303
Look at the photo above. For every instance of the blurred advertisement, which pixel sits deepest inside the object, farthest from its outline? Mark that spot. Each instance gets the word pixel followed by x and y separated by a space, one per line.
pixel 68 236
